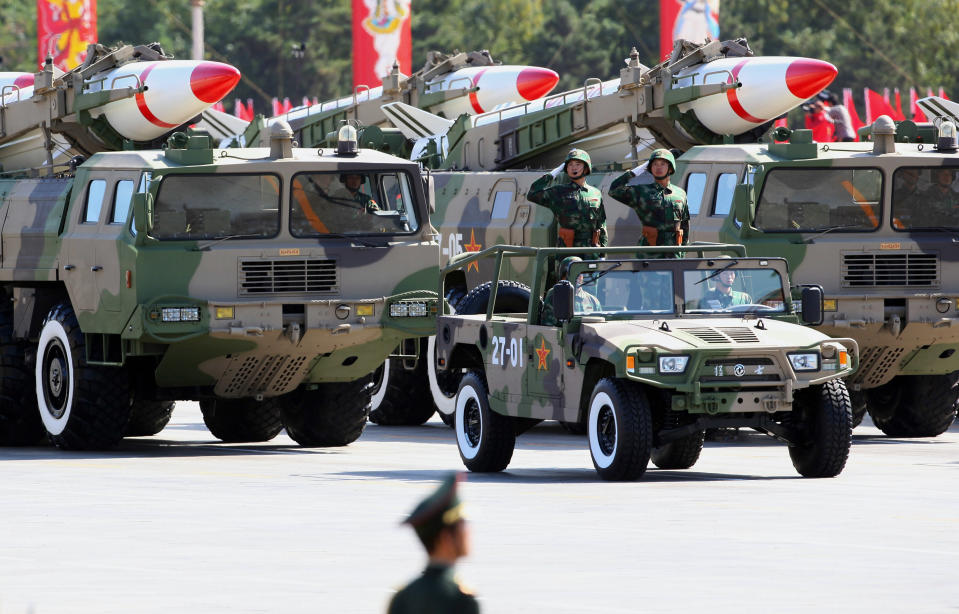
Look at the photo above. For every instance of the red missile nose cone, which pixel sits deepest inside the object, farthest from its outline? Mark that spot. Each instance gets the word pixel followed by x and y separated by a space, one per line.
pixel 806 78
pixel 533 83
pixel 24 81
pixel 211 81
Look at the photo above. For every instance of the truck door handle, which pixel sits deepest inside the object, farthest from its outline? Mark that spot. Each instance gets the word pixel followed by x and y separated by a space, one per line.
pixel 96 268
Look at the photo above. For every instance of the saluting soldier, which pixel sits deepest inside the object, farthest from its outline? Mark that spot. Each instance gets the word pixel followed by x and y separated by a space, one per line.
pixel 661 205
pixel 578 206
pixel 439 523
pixel 584 301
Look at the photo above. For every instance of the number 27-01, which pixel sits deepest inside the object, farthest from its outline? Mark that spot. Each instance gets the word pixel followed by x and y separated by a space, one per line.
pixel 501 353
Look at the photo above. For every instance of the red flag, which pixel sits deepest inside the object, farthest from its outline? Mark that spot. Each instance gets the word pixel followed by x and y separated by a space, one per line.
pixel 249 109
pixel 850 104
pixel 218 106
pixel 876 106
pixel 64 29
pixel 693 21
pixel 306 102
pixel 917 114
pixel 381 36
pixel 898 110
pixel 277 107
pixel 287 106
pixel 942 93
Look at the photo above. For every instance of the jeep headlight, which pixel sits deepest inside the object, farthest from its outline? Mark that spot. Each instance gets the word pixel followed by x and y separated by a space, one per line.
pixel 805 361
pixel 672 365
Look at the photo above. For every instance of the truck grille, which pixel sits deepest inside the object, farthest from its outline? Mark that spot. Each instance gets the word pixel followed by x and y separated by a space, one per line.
pixel 722 335
pixel 258 277
pixel 877 270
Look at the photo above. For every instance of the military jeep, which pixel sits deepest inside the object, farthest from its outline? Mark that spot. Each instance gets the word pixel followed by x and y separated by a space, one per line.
pixel 656 358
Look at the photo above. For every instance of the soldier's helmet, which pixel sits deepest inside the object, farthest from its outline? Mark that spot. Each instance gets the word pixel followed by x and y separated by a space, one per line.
pixel 664 154
pixel 562 271
pixel 443 508
pixel 582 156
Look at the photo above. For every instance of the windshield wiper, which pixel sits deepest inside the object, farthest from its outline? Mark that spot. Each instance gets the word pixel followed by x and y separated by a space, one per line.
pixel 362 242
pixel 592 279
pixel 203 248
pixel 821 232
pixel 717 272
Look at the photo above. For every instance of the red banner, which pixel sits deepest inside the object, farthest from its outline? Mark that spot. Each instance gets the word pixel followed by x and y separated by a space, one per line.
pixel 64 29
pixel 693 20
pixel 381 36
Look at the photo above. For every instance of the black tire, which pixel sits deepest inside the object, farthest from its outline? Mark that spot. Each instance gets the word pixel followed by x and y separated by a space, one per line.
pixel 148 418
pixel 242 420
pixel 485 438
pixel 83 407
pixel 680 453
pixel 619 429
pixel 859 407
pixel 454 296
pixel 823 417
pixel 511 297
pixel 401 397
pixel 573 428
pixel 20 423
pixel 333 414
pixel 921 406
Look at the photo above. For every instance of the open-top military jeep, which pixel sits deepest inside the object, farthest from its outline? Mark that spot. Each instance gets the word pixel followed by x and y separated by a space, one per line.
pixel 651 359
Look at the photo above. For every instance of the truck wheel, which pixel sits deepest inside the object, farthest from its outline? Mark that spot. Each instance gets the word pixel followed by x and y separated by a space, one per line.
pixel 619 429
pixel 823 416
pixel 20 423
pixel 242 420
pixel 148 418
pixel 401 396
pixel 485 438
pixel 925 405
pixel 680 453
pixel 334 414
pixel 83 407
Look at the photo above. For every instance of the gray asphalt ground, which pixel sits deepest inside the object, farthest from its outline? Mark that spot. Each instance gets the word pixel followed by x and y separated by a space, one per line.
pixel 181 523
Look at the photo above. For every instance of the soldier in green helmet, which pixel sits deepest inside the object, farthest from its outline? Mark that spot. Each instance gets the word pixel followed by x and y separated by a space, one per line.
pixel 353 182
pixel 578 206
pixel 722 295
pixel 584 301
pixel 661 205
pixel 439 523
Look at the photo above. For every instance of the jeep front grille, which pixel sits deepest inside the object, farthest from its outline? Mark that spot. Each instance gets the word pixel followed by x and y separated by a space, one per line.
pixel 731 370
pixel 722 335
pixel 878 270
pixel 259 277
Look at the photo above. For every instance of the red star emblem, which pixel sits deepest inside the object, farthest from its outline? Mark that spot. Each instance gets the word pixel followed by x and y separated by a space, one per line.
pixel 472 246
pixel 542 352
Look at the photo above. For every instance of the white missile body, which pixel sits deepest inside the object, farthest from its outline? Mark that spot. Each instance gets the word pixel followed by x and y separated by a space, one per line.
pixel 11 80
pixel 499 86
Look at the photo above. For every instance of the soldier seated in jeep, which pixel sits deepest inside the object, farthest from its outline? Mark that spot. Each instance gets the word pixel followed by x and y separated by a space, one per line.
pixel 585 302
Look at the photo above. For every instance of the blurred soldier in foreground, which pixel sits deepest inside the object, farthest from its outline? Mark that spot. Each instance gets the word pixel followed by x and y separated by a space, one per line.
pixel 439 523
pixel 661 205
pixel 578 206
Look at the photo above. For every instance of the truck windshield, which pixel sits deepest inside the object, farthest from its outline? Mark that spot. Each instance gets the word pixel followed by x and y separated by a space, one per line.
pixel 617 291
pixel 351 203
pixel 925 197
pixel 820 199
pixel 216 206
pixel 733 290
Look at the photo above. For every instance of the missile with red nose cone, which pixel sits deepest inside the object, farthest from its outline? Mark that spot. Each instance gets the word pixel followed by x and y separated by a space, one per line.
pixel 770 86
pixel 11 80
pixel 496 86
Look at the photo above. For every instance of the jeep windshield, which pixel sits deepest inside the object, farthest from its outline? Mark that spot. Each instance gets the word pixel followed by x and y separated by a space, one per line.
pixel 733 290
pixel 216 206
pixel 608 289
pixel 351 203
pixel 925 198
pixel 820 199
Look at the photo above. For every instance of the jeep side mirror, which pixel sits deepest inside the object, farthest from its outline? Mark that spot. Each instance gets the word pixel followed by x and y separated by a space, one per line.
pixel 812 305
pixel 563 301
pixel 142 215
pixel 744 206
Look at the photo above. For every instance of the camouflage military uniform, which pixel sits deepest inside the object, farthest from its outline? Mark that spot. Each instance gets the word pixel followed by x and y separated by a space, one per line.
pixel 657 206
pixel 939 207
pixel 584 303
pixel 714 299
pixel 576 208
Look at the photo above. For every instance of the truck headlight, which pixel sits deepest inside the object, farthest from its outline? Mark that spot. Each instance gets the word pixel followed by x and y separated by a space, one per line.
pixel 180 314
pixel 399 310
pixel 672 364
pixel 805 361
pixel 413 309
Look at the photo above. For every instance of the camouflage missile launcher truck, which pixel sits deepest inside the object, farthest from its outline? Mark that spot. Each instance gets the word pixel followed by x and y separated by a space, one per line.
pixel 265 283
pixel 648 355
pixel 876 224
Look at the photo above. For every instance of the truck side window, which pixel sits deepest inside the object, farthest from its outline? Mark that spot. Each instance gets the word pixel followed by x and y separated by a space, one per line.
pixel 94 204
pixel 695 187
pixel 723 199
pixel 121 201
pixel 501 204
